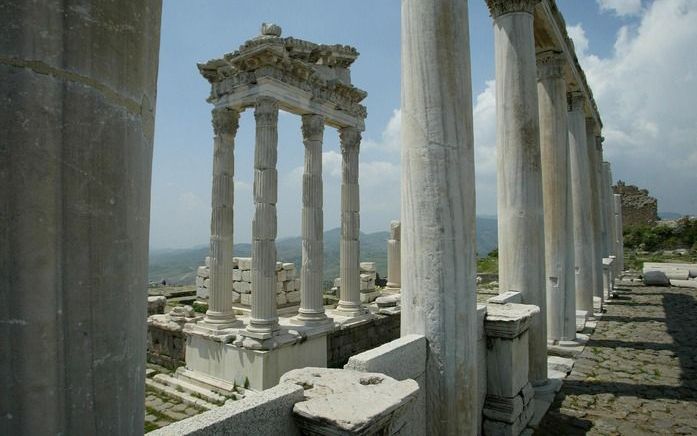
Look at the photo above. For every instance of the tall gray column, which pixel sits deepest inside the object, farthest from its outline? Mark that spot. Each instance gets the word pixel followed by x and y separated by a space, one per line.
pixel 394 256
pixel 582 199
pixel 595 153
pixel 558 208
pixel 219 314
pixel 349 263
pixel 438 209
pixel 76 120
pixel 264 319
pixel 609 209
pixel 519 175
pixel 619 235
pixel 311 272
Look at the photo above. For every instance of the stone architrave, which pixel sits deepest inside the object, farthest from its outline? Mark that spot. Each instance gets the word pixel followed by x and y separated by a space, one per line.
pixel 263 321
pixel 219 314
pixel 311 301
pixel 519 175
pixel 438 210
pixel 584 248
pixel 349 263
pixel 558 208
pixel 394 259
pixel 619 237
pixel 595 152
pixel 77 114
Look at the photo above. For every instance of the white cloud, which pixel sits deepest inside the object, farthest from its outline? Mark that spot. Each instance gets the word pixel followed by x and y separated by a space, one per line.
pixel 578 35
pixel 620 7
pixel 484 115
pixel 391 140
pixel 646 92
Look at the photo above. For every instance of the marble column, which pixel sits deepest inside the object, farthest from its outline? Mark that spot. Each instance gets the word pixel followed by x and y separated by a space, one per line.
pixel 264 319
pixel 582 199
pixel 608 208
pixel 77 114
pixel 349 263
pixel 556 191
pixel 219 314
pixel 394 257
pixel 619 235
pixel 438 210
pixel 519 175
pixel 595 153
pixel 311 272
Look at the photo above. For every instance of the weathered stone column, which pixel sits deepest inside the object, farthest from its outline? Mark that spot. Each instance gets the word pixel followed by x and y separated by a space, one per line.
pixel 264 319
pixel 519 176
pixel 349 263
pixel 558 208
pixel 311 300
pixel 438 209
pixel 76 120
pixel 582 200
pixel 394 256
pixel 608 210
pixel 619 235
pixel 219 314
pixel 595 153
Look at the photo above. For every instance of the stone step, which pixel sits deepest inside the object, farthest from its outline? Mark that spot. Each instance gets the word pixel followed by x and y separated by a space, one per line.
pixel 187 299
pixel 181 396
pixel 191 389
pixel 212 384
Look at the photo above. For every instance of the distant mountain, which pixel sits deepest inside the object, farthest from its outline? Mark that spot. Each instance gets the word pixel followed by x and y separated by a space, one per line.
pixel 670 215
pixel 179 265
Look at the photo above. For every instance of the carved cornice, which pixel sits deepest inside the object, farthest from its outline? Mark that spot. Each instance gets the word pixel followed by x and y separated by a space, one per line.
pixel 313 127
pixel 266 111
pixel 550 64
pixel 575 100
pixel 350 138
pixel 498 8
pixel 225 121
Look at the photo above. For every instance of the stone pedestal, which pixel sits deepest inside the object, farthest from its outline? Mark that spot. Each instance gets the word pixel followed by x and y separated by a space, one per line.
pixel 558 208
pixel 608 276
pixel 394 258
pixel 438 209
pixel 582 200
pixel 519 175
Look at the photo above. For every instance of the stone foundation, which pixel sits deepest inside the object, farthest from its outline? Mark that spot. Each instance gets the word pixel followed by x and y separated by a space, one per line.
pixel 352 339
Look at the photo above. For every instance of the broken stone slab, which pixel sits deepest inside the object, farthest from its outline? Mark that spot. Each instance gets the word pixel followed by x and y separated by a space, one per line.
pixel 346 402
pixel 684 283
pixel 156 305
pixel 203 271
pixel 656 278
pixel 508 320
pixel 388 300
pixel 369 297
pixel 368 266
pixel 506 297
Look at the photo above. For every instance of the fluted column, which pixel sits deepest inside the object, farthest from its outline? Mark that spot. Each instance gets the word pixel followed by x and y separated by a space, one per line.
pixel 609 209
pixel 349 263
pixel 219 314
pixel 581 196
pixel 559 238
pixel 438 210
pixel 311 300
pixel 264 320
pixel 519 175
pixel 597 218
pixel 619 235
pixel 394 258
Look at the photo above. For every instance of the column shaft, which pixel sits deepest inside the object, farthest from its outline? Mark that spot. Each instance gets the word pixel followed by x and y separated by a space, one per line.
pixel 438 209
pixel 595 153
pixel 394 259
pixel 311 272
pixel 559 242
pixel 349 263
pixel 609 209
pixel 219 313
pixel 619 235
pixel 264 320
pixel 519 176
pixel 582 203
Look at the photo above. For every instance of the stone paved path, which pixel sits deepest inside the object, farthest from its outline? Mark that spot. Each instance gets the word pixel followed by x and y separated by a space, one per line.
pixel 638 373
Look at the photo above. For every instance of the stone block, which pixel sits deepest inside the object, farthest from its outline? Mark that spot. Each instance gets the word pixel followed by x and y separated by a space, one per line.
pixel 656 278
pixel 288 266
pixel 246 276
pixel 506 297
pixel 293 296
pixel 368 266
pixel 237 275
pixel 207 283
pixel 290 274
pixel 246 299
pixel 279 287
pixel 242 287
pixel 509 320
pixel 503 409
pixel 156 305
pixel 281 298
pixel 400 359
pixel 289 286
pixel 281 275
pixel 244 263
pixel 507 365
pixel 199 281
pixel 279 266
pixel 388 300
pixel 369 297
pixel 203 271
pixel 208 261
pixel 365 277
pixel 236 297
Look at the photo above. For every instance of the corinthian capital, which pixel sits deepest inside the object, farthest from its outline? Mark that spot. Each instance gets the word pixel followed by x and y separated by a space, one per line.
pixel 266 110
pixel 313 127
pixel 503 7
pixel 350 138
pixel 225 121
pixel 550 64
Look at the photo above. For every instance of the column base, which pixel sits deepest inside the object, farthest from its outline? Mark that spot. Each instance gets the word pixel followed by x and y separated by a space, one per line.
pixel 219 320
pixel 349 309
pixel 311 318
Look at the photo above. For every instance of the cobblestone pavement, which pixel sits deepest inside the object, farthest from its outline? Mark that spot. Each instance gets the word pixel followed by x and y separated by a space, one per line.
pixel 161 410
pixel 638 373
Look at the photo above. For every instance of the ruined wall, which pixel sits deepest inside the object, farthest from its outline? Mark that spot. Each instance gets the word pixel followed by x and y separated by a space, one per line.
pixel 345 342
pixel 638 207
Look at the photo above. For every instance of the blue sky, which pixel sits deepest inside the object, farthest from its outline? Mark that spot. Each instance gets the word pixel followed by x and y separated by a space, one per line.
pixel 610 37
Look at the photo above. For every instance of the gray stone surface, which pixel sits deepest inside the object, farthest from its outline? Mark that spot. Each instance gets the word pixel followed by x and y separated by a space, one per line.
pixel 76 115
pixel 656 278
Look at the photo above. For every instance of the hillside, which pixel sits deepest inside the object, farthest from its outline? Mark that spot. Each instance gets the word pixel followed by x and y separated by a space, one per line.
pixel 179 266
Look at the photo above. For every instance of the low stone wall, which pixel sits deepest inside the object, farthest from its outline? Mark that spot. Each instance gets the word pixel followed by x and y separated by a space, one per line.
pixel 350 340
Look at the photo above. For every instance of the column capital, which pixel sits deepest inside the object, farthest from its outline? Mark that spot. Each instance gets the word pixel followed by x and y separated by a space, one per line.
pixel 225 121
pixel 498 8
pixel 576 100
pixel 350 138
pixel 266 110
pixel 313 127
pixel 550 64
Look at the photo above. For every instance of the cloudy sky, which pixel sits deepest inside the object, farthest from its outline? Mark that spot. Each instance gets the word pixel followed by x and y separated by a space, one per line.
pixel 638 56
